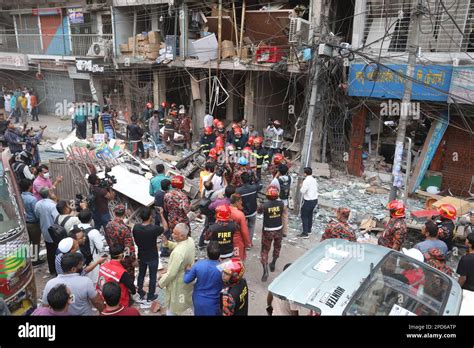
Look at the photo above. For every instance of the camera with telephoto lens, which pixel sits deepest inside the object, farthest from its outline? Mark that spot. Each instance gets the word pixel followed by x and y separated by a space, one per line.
pixel 108 181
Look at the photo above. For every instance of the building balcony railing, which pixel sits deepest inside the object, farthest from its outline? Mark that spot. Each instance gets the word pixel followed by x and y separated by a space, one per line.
pixel 81 45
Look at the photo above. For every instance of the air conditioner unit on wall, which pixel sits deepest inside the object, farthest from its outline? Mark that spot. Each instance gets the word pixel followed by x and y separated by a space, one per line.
pixel 300 31
pixel 99 49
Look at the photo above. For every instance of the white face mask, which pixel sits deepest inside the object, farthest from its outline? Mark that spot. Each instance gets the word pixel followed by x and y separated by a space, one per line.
pixel 46 175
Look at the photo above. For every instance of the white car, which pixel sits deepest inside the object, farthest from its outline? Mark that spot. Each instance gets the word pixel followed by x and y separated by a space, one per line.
pixel 338 277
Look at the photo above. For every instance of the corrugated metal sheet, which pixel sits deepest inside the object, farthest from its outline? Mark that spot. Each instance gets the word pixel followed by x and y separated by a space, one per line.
pixel 72 183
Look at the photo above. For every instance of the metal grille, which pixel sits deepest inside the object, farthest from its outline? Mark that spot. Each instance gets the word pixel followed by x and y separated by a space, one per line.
pixel 336 138
pixel 72 184
pixel 388 24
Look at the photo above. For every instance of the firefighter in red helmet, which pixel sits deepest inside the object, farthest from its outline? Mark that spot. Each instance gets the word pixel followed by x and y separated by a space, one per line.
pixel 445 222
pixel 223 231
pixel 272 230
pixel 260 154
pixel 207 140
pixel 395 231
pixel 234 298
pixel 176 203
pixel 171 126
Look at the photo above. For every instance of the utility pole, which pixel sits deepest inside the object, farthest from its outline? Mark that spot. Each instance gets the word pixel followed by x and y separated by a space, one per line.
pixel 308 134
pixel 412 47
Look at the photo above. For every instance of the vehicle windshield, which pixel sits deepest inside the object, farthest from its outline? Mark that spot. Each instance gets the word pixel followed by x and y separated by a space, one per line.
pixel 10 219
pixel 399 285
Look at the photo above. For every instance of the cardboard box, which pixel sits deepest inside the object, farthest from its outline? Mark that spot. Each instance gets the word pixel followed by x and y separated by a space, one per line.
pixel 141 37
pixel 152 55
pixel 152 47
pixel 131 43
pixel 462 206
pixel 228 49
pixel 154 37
pixel 244 53
pixel 124 48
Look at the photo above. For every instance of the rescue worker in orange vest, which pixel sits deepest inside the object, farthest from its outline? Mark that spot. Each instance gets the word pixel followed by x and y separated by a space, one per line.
pixel 171 125
pixel 114 271
pixel 207 140
pixel 260 154
pixel 445 222
pixel 395 231
pixel 272 230
pixel 223 231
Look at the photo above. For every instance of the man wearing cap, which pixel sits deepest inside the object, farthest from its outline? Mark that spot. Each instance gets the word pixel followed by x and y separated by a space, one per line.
pixel 340 229
pixel 118 234
pixel 72 245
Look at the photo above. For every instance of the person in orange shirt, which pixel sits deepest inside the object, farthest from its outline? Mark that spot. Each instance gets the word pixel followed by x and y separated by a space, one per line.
pixel 241 236
pixel 34 106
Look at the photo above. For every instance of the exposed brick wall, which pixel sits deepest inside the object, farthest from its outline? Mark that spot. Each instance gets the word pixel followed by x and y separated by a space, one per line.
pixel 457 172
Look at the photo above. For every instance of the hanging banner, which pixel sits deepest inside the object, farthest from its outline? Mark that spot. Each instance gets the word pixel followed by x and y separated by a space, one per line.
pixel 76 16
pixel 431 82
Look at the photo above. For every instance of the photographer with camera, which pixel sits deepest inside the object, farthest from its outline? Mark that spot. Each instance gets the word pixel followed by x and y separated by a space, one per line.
pixel 99 200
pixel 216 176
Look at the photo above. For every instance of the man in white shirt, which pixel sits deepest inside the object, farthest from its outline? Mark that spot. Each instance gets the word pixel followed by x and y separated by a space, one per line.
pixel 208 119
pixel 28 101
pixel 309 191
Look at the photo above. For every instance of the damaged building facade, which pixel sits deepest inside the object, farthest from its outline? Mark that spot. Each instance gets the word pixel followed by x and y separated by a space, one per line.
pixel 440 113
pixel 235 60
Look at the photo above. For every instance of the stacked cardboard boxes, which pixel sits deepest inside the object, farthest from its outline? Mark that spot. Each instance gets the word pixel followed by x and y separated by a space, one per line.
pixel 146 45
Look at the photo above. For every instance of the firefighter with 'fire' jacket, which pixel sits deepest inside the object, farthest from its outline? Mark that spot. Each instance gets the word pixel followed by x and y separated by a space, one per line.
pixel 272 230
pixel 223 231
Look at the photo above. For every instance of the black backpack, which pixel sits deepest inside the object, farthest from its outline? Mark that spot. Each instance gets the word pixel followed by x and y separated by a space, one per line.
pixel 18 168
pixel 57 231
pixel 284 187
